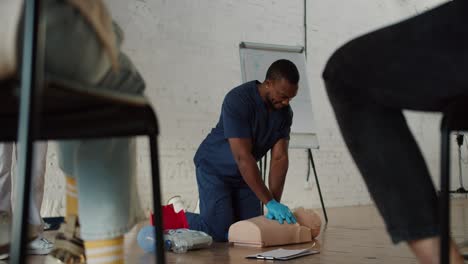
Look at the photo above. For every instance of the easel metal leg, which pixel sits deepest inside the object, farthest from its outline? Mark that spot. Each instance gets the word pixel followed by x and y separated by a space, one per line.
pixel 311 158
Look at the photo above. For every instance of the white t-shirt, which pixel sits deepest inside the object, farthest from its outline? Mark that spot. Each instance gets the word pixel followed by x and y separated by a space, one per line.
pixel 10 11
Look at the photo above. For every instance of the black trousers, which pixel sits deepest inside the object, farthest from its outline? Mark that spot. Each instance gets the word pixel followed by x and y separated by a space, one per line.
pixel 419 64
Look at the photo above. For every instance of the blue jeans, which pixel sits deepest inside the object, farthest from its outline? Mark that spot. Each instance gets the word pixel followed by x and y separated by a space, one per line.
pixel 224 200
pixel 104 168
pixel 417 64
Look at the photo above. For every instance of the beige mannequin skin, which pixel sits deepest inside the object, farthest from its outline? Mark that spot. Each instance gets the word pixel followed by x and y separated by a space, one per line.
pixel 262 232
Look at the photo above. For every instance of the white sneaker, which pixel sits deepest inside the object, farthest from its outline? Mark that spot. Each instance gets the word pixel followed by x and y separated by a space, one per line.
pixel 40 246
pixel 177 202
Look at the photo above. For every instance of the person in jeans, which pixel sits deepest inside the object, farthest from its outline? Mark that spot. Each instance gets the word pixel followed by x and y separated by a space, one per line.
pixel 82 46
pixel 417 64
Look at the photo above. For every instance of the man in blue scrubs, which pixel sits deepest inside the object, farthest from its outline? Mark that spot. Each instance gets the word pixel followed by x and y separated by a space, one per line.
pixel 255 118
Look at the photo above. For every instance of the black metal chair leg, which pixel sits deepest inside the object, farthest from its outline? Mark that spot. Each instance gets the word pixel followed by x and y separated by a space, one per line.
pixel 31 76
pixel 160 254
pixel 311 158
pixel 444 207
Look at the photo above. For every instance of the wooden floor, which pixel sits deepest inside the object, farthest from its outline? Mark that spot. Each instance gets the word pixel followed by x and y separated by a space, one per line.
pixel 353 235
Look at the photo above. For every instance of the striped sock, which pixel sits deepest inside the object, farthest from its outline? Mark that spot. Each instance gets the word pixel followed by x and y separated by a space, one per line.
pixel 105 251
pixel 71 197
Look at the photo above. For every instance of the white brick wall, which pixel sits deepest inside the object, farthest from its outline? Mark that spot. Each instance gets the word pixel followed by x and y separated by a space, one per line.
pixel 188 53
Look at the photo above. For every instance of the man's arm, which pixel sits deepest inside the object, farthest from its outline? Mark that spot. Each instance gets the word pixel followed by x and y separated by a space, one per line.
pixel 278 168
pixel 242 151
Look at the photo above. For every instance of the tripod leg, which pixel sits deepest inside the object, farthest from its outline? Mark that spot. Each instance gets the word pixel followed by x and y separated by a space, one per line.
pixel 444 198
pixel 311 158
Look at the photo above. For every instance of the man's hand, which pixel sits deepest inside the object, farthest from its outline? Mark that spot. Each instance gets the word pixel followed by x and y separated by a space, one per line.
pixel 280 212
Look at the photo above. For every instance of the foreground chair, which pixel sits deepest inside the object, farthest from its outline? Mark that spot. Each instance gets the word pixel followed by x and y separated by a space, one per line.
pixel 48 108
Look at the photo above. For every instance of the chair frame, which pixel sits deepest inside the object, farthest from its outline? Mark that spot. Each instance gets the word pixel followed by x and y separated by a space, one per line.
pixel 454 119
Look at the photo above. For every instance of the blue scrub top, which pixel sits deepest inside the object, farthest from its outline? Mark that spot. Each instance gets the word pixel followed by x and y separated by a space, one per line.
pixel 243 115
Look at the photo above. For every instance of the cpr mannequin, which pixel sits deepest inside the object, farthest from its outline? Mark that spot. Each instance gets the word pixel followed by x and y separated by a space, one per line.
pixel 262 232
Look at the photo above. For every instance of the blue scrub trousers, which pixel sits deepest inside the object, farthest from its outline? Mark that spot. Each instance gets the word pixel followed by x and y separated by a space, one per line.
pixel 224 200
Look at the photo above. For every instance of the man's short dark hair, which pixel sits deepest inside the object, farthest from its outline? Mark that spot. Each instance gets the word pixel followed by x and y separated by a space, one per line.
pixel 283 69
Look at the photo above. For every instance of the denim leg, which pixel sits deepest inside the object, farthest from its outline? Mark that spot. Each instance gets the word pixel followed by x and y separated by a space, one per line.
pixel 416 64
pixel 105 176
pixel 108 204
pixel 216 213
pixel 66 157
pixel 72 49
pixel 84 59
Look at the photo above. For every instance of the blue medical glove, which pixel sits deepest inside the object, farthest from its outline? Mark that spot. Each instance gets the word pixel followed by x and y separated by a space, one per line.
pixel 269 215
pixel 280 212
